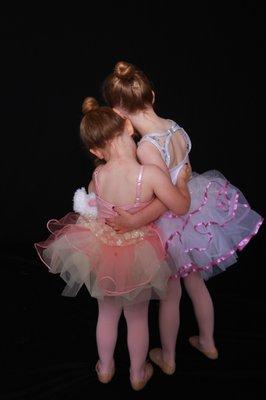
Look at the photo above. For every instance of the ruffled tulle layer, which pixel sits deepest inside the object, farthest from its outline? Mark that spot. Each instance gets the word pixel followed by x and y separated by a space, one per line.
pixel 219 223
pixel 130 267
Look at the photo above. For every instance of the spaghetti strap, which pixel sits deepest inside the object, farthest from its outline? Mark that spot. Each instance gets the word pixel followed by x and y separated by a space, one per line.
pixel 174 127
pixel 95 179
pixel 138 189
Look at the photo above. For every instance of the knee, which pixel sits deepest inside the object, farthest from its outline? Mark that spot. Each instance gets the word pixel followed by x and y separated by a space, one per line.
pixel 174 290
pixel 194 278
pixel 194 282
pixel 109 309
pixel 136 311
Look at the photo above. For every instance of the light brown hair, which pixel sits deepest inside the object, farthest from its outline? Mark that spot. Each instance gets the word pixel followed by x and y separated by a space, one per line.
pixel 128 87
pixel 99 124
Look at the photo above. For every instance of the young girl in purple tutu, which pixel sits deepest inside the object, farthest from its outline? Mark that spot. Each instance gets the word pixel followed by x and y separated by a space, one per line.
pixel 201 243
pixel 122 270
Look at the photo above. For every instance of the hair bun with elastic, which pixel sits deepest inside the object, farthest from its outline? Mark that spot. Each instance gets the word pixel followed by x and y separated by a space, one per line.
pixel 89 104
pixel 124 70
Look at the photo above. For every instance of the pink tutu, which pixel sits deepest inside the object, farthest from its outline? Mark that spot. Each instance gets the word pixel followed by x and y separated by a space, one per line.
pixel 131 267
pixel 219 223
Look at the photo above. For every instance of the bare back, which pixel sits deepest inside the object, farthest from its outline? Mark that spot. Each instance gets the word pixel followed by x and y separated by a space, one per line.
pixel 123 185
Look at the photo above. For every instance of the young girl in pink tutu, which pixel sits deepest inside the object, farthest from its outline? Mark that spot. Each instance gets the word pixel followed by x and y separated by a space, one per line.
pixel 201 243
pixel 122 270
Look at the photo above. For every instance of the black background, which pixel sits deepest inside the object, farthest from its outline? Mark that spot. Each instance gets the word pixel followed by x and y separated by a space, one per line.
pixel 206 63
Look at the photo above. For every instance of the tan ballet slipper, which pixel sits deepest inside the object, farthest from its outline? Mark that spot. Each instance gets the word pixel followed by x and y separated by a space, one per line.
pixel 140 384
pixel 106 377
pixel 194 342
pixel 156 356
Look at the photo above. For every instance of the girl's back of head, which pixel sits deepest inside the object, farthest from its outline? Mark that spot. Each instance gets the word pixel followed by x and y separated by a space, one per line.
pixel 128 87
pixel 99 124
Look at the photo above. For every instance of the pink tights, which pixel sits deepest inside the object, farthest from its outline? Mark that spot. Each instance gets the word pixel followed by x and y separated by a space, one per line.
pixel 169 320
pixel 137 334
pixel 203 308
pixel 137 324
pixel 169 314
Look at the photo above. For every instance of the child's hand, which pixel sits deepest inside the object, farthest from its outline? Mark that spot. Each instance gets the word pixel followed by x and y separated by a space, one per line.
pixel 123 222
pixel 185 174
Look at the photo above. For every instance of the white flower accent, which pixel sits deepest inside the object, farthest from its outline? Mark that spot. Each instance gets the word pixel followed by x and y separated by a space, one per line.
pixel 84 203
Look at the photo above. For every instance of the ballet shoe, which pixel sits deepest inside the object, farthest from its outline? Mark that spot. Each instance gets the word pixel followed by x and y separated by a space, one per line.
pixel 104 377
pixel 194 342
pixel 140 384
pixel 156 356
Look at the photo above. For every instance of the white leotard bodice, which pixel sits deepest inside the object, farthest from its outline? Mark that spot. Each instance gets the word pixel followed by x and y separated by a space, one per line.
pixel 161 142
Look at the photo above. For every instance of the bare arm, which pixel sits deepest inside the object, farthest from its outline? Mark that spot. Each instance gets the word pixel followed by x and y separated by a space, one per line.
pixel 147 153
pixel 176 200
pixel 126 222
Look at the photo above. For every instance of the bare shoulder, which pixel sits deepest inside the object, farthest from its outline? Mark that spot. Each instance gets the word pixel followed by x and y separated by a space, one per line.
pixel 153 171
pixel 146 147
pixel 147 153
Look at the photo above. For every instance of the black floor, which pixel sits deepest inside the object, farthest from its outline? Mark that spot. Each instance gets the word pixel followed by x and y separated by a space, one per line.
pixel 49 349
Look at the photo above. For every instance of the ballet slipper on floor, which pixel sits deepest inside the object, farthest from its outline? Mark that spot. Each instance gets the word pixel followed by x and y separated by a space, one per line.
pixel 157 357
pixel 139 384
pixel 194 342
pixel 104 377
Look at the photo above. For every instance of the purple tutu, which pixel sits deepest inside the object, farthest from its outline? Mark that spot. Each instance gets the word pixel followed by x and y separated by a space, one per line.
pixel 219 222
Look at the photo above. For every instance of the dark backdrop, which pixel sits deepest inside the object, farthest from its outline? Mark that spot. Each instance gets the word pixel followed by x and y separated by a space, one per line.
pixel 206 63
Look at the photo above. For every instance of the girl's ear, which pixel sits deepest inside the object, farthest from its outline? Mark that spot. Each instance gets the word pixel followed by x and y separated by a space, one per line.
pixel 98 153
pixel 119 112
pixel 153 97
pixel 129 127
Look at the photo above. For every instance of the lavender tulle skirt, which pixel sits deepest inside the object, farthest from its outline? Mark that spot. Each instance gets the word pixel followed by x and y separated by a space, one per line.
pixel 219 222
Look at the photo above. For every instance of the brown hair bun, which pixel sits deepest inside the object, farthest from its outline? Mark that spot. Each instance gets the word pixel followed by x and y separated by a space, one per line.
pixel 124 70
pixel 89 104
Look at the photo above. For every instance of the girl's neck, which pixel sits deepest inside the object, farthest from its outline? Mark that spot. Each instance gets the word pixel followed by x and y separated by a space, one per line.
pixel 120 159
pixel 119 155
pixel 148 121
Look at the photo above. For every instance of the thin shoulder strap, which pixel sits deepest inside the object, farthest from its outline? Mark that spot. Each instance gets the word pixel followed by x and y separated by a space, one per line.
pixel 138 188
pixel 95 178
pixel 174 127
pixel 177 128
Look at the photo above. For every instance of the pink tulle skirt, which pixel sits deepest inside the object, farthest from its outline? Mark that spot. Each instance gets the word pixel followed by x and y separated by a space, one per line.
pixel 219 223
pixel 131 267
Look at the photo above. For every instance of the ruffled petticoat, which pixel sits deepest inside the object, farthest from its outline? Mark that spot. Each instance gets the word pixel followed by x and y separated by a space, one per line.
pixel 219 222
pixel 130 267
